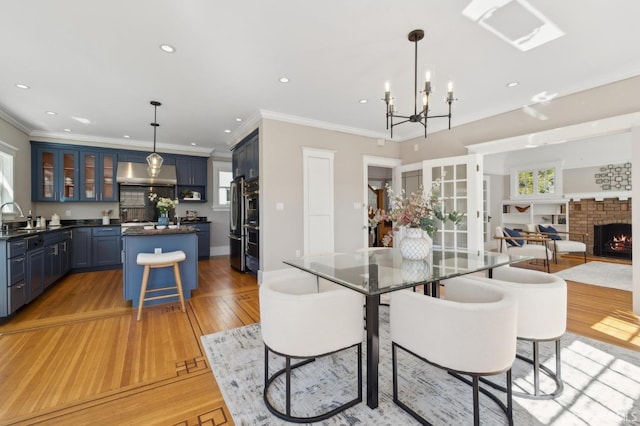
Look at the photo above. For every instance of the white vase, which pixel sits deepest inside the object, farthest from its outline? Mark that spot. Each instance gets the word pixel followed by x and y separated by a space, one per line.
pixel 415 270
pixel 414 245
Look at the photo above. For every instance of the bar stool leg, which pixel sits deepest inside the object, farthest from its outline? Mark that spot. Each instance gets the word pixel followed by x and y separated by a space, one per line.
pixel 143 290
pixel 176 273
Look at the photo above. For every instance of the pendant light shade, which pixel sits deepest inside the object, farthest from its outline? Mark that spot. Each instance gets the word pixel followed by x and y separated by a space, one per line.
pixel 154 159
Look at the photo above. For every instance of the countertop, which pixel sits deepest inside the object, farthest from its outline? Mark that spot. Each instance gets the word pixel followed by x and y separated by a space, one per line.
pixel 18 232
pixel 136 231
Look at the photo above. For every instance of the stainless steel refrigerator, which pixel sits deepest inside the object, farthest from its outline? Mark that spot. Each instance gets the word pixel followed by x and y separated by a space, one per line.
pixel 236 228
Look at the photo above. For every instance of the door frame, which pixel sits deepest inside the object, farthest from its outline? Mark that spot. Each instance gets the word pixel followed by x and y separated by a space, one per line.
pixel 370 160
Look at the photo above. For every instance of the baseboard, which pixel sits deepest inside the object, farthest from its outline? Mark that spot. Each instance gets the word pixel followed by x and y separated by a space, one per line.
pixel 219 251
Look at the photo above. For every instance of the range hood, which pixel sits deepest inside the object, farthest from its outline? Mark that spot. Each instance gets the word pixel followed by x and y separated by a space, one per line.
pixel 136 174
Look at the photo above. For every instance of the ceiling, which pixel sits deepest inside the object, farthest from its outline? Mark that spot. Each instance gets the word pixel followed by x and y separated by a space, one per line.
pixel 101 61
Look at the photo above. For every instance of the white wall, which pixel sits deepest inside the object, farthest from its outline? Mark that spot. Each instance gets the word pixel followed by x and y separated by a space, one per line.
pixel 281 182
pixel 22 163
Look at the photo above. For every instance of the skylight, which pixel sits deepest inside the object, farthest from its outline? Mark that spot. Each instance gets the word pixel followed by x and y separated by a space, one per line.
pixel 514 21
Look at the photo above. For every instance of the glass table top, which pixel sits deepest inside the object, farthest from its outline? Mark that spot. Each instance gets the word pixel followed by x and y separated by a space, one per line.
pixel 382 270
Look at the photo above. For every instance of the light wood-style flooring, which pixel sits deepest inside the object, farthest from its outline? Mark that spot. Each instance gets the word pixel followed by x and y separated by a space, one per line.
pixel 77 355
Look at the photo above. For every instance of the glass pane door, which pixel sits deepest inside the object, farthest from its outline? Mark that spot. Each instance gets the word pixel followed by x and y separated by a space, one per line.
pixel 69 173
pixel 89 175
pixel 108 178
pixel 47 167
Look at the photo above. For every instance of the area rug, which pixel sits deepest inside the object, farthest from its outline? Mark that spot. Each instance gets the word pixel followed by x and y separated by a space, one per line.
pixel 604 274
pixel 602 385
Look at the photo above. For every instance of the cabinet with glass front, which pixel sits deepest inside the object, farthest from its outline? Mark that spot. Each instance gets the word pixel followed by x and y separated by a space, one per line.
pixel 56 175
pixel 97 175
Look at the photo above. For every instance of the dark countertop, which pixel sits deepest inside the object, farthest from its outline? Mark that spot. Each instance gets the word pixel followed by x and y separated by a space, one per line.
pixel 137 231
pixel 16 232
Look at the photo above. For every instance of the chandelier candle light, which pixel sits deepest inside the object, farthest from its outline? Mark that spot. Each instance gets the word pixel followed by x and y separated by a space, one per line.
pixel 418 117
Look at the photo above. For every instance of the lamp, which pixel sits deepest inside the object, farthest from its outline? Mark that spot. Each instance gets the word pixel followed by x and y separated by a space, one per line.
pixel 154 159
pixel 418 117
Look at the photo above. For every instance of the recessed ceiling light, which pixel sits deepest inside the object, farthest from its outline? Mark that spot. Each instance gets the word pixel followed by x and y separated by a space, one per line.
pixel 51 113
pixel 22 86
pixel 227 131
pixel 238 119
pixel 67 130
pixel 363 101
pixel 82 120
pixel 284 80
pixel 126 136
pixel 512 84
pixel 193 144
pixel 530 145
pixel 167 48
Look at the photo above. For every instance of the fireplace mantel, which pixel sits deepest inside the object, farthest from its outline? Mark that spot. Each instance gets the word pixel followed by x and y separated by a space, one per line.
pixel 598 196
pixel 587 212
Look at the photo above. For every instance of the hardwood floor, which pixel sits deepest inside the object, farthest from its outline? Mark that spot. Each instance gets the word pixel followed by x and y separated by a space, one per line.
pixel 78 356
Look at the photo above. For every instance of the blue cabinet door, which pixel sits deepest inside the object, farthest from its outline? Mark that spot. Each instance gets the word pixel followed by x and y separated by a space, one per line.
pixel 106 245
pixel 56 174
pixel 35 272
pixel 98 176
pixel 81 248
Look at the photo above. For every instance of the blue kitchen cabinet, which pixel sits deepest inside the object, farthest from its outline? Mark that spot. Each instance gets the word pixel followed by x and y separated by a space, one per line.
pixel 35 273
pixel 96 248
pixel 191 173
pixel 105 246
pixel 81 248
pixel 57 174
pixel 203 231
pixel 98 176
pixel 245 159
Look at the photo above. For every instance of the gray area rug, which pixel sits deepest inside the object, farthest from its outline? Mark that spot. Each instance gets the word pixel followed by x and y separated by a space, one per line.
pixel 604 274
pixel 602 385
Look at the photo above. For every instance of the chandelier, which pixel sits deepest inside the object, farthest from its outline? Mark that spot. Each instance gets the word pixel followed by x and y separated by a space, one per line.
pixel 418 116
pixel 154 159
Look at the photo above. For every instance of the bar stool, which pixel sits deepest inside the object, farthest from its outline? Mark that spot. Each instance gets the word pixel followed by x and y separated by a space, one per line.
pixel 160 260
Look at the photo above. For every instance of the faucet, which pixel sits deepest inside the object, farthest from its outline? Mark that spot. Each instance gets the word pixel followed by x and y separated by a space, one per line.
pixel 7 203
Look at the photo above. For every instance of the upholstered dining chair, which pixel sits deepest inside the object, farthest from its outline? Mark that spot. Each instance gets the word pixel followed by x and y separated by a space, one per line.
pixel 304 319
pixel 542 317
pixel 515 243
pixel 471 331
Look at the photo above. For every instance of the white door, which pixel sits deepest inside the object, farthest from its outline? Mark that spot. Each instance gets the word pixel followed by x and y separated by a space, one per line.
pixel 318 201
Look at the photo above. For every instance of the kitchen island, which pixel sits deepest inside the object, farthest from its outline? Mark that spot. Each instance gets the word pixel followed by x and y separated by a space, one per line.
pixel 139 240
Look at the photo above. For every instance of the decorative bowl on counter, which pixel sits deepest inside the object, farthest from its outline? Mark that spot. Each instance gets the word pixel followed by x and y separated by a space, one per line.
pixel 161 226
pixel 148 227
pixel 173 226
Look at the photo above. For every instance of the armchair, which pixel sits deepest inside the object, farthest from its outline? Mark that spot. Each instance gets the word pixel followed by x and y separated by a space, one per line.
pixel 512 242
pixel 564 242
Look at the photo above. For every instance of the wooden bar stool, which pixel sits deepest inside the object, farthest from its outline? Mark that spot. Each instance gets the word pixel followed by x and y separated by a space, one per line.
pixel 160 260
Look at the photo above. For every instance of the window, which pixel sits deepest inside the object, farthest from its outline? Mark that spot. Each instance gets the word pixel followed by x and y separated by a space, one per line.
pixel 222 178
pixel 6 179
pixel 536 182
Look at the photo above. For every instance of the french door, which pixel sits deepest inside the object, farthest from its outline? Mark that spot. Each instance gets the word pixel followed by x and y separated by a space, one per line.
pixel 460 189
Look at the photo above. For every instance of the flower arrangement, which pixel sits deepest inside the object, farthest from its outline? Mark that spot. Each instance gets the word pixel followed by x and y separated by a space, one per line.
pixel 162 203
pixel 418 210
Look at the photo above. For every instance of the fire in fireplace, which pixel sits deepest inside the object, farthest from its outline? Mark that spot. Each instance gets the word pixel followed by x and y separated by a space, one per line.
pixel 612 240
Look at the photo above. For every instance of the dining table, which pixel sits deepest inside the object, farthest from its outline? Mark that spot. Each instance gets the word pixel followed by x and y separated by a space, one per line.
pixel 376 271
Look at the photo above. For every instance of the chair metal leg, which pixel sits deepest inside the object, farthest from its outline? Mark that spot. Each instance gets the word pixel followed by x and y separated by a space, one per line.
pixel 476 402
pixel 537 368
pixel 289 366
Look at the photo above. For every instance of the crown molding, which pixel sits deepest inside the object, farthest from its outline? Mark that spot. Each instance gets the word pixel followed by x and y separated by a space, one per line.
pixel 130 144
pixel 272 115
pixel 15 123
pixel 252 122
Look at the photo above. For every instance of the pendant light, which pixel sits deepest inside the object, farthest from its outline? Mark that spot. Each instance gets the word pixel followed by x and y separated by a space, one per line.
pixel 154 159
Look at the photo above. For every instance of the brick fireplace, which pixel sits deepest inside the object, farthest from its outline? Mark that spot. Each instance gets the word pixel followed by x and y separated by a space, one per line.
pixel 584 215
